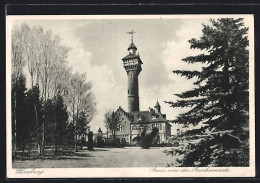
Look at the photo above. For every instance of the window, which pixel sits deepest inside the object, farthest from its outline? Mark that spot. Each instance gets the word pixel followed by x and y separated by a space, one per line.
pixel 139 117
pixel 134 127
pixel 141 127
pixel 123 128
pixel 178 131
pixel 157 126
pixel 160 126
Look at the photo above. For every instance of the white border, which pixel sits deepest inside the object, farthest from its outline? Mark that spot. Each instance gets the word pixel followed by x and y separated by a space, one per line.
pixel 132 172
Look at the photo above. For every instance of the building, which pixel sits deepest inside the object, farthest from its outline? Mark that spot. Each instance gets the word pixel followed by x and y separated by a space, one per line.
pixel 134 121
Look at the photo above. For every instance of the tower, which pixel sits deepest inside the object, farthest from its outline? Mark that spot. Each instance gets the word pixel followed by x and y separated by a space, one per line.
pixel 132 64
pixel 157 107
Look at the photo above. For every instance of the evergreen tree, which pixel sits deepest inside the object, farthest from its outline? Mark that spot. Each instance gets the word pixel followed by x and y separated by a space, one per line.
pixel 35 115
pixel 20 128
pixel 147 138
pixel 61 117
pixel 82 127
pixel 50 121
pixel 220 98
pixel 90 141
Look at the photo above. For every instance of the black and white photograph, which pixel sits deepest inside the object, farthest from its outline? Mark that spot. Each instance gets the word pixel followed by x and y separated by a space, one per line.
pixel 130 96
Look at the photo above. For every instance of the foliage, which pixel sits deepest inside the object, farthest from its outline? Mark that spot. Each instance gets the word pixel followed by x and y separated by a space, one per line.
pixel 20 122
pixel 56 96
pixel 220 97
pixel 35 115
pixel 147 138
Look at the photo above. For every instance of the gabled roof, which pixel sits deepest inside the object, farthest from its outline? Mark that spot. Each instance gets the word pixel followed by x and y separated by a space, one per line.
pixel 147 117
pixel 120 109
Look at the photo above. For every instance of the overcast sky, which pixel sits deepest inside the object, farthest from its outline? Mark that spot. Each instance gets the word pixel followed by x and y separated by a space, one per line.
pixel 98 46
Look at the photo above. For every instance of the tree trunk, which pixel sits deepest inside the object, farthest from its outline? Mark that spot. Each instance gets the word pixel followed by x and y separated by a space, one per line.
pixel 56 139
pixel 114 135
pixel 43 140
pixel 14 153
pixel 75 131
pixel 30 145
pixel 38 132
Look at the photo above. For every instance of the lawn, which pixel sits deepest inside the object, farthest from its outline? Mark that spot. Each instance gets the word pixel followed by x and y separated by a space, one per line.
pixel 103 157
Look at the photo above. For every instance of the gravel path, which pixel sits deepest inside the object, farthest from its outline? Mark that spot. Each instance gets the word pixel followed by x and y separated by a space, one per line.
pixel 104 157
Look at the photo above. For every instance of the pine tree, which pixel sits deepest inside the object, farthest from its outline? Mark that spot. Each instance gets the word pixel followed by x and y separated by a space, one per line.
pixel 35 114
pixel 19 120
pixel 220 99
pixel 82 127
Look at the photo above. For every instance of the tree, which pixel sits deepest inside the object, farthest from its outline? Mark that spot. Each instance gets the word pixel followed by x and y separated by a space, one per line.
pixel 19 121
pixel 90 141
pixel 112 122
pixel 45 57
pixel 82 126
pixel 18 62
pixel 61 118
pixel 220 98
pixel 147 138
pixel 35 114
pixel 80 98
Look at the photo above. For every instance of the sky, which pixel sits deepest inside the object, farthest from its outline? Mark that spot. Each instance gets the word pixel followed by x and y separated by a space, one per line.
pixel 98 46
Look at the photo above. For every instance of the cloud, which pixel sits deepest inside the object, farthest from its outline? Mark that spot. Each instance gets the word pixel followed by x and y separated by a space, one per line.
pixel 171 57
pixel 105 88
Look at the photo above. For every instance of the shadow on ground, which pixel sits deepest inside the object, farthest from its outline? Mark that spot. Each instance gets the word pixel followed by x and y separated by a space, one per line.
pixel 49 155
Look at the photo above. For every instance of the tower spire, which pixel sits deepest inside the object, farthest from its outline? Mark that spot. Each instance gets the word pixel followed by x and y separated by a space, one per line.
pixel 132 38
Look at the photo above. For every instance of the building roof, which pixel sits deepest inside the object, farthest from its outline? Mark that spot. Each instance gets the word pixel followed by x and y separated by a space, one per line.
pixel 147 116
pixel 132 45
pixel 157 104
pixel 132 57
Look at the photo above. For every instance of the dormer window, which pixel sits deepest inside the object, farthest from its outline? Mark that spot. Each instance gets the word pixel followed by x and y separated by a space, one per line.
pixel 139 117
pixel 154 116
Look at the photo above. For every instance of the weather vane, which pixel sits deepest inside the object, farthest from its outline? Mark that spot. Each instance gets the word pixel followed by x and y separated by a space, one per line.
pixel 132 32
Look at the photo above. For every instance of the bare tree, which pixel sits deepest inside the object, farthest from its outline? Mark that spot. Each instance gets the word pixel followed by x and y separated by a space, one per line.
pixel 80 99
pixel 18 62
pixel 112 122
